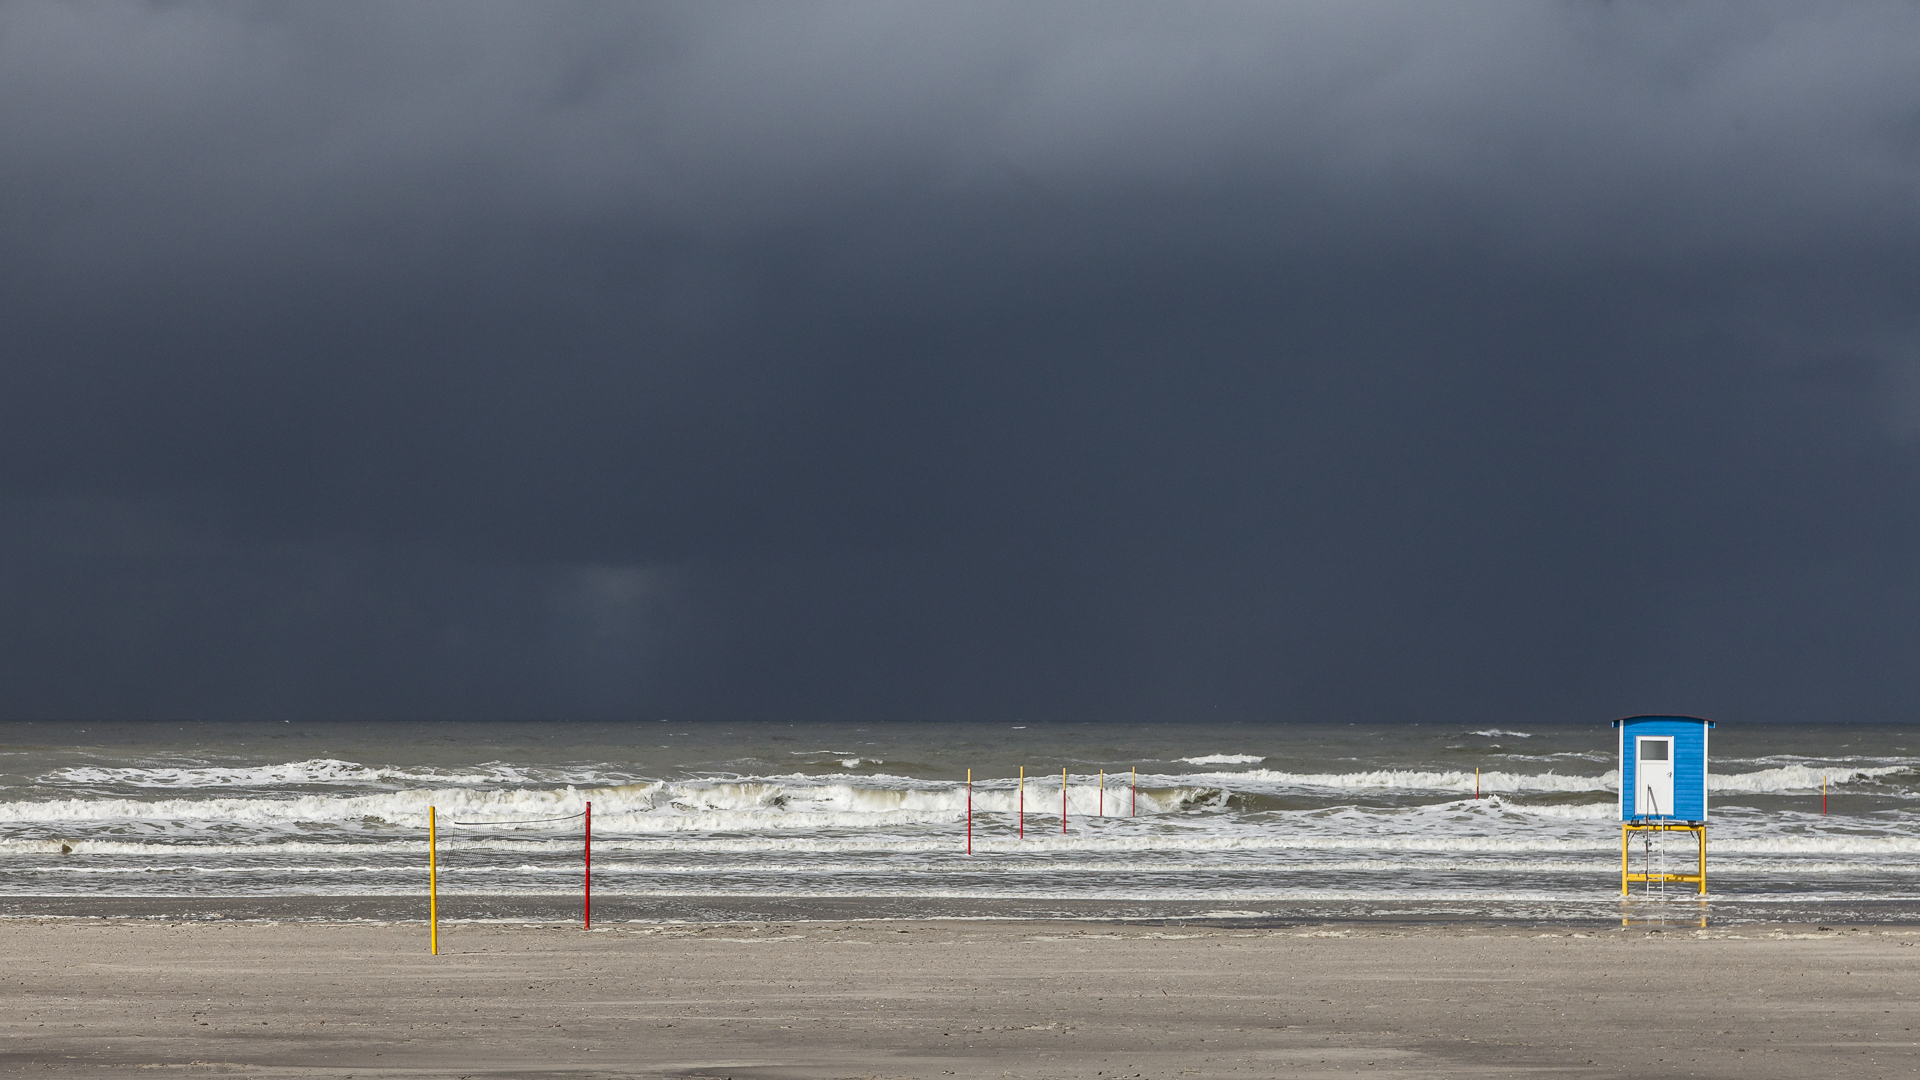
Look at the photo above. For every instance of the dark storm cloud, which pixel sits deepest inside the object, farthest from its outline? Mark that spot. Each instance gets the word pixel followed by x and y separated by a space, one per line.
pixel 1308 362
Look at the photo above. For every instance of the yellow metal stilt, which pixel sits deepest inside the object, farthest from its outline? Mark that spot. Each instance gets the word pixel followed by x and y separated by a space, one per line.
pixel 433 885
pixel 1623 861
pixel 1699 832
pixel 1703 860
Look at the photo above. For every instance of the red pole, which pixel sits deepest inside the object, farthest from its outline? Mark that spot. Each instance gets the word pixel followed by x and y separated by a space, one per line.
pixel 586 899
pixel 969 811
pixel 1823 795
pixel 1063 802
pixel 1023 802
pixel 1136 794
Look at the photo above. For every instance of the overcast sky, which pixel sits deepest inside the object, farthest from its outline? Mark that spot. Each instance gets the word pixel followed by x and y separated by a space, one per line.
pixel 1342 361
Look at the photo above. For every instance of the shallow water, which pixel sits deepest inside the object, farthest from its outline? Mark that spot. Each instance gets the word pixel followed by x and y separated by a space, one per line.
pixel 1242 819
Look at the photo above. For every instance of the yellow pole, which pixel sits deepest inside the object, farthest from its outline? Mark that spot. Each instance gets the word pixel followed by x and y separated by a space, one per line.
pixel 1703 860
pixel 433 884
pixel 1623 860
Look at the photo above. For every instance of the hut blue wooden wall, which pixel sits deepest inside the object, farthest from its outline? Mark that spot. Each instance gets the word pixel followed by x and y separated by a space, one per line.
pixel 1689 763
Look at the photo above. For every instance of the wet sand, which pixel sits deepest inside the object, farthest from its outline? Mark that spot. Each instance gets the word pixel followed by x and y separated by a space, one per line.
pixel 761 1001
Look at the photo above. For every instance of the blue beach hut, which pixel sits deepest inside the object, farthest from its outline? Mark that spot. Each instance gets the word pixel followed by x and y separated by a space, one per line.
pixel 1663 787
pixel 1663 768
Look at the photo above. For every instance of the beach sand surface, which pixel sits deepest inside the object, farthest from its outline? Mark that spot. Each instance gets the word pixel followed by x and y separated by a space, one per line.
pixel 131 997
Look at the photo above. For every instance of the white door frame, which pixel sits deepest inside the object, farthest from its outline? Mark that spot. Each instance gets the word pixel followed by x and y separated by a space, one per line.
pixel 1660 804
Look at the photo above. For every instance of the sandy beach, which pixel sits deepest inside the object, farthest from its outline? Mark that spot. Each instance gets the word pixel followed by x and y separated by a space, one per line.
pixel 955 998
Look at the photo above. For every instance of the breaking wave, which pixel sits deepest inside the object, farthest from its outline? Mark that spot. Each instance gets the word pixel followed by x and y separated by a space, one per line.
pixel 846 816
pixel 1784 779
pixel 1796 778
pixel 314 772
pixel 1422 780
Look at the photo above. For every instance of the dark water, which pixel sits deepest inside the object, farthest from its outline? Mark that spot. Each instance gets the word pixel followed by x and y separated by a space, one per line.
pixel 1237 821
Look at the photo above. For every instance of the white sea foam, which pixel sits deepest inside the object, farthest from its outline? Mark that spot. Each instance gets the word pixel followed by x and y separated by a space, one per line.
pixel 1796 778
pixel 881 791
pixel 1349 834
pixel 314 772
pixel 712 807
pixel 801 802
pixel 1791 778
pixel 401 806
pixel 787 873
pixel 1419 780
pixel 1230 828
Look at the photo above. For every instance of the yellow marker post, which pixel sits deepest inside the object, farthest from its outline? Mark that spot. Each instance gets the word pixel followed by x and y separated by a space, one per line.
pixel 1103 793
pixel 1703 867
pixel 433 885
pixel 1623 866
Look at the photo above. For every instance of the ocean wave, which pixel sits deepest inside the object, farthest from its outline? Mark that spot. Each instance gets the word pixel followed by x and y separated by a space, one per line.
pixel 880 791
pixel 1337 811
pixel 1785 779
pixel 884 816
pixel 806 802
pixel 1002 796
pixel 1348 838
pixel 313 772
pixel 1599 862
pixel 742 805
pixel 788 872
pixel 407 806
pixel 1796 778
pixel 846 757
pixel 1422 780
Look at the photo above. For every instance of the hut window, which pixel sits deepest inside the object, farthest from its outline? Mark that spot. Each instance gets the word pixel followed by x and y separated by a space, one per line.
pixel 1653 749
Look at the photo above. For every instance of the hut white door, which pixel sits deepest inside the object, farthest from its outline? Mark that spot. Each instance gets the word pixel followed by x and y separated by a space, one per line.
pixel 1653 776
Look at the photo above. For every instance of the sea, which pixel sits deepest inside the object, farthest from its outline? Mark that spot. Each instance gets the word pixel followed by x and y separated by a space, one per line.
pixel 651 821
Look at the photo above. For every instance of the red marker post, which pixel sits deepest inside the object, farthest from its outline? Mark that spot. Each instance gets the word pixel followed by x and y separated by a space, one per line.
pixel 1023 802
pixel 969 811
pixel 1063 802
pixel 586 897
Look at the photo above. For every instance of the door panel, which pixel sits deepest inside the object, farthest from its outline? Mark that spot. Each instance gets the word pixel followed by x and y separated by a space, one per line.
pixel 1653 776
